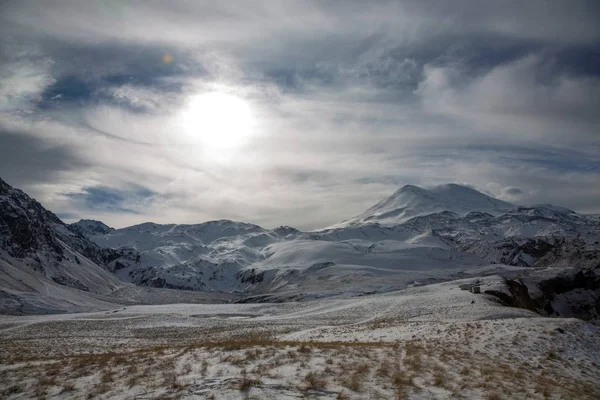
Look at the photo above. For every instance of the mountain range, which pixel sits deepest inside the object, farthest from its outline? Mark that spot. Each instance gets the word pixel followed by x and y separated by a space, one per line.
pixel 414 237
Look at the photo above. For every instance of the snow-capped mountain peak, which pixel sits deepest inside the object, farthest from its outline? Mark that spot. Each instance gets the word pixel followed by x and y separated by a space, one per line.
pixel 412 201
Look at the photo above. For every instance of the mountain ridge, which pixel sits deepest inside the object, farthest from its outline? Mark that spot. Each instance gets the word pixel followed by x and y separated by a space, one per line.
pixel 284 263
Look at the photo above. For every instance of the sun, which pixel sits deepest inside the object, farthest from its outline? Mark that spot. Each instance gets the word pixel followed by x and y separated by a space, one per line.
pixel 218 121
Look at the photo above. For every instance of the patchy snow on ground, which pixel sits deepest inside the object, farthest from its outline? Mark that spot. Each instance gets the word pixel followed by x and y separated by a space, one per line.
pixel 427 342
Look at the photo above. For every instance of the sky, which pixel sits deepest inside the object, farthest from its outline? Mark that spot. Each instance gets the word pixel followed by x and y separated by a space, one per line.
pixel 300 113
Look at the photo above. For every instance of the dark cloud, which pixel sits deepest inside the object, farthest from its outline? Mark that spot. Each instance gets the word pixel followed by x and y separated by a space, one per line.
pixel 555 159
pixel 66 90
pixel 27 160
pixel 512 191
pixel 102 198
pixel 89 75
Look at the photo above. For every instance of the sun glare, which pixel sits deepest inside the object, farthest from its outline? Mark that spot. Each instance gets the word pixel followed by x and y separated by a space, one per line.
pixel 219 121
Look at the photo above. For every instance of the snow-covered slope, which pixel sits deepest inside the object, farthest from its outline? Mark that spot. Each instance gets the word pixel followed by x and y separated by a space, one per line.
pixel 411 201
pixel 233 256
pixel 47 266
pixel 205 256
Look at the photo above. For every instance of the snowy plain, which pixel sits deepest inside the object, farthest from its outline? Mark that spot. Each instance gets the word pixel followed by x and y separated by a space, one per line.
pixel 426 342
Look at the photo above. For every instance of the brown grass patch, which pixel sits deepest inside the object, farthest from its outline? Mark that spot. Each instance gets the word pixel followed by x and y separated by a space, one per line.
pixel 353 382
pixel 315 380
pixel 248 383
pixel 385 369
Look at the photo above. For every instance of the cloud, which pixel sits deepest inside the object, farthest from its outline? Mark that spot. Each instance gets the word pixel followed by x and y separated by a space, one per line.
pixel 511 193
pixel 100 198
pixel 514 99
pixel 26 160
pixel 23 78
pixel 350 100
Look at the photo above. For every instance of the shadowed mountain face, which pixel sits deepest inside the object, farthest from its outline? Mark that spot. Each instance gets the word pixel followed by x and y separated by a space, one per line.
pixel 26 226
pixel 44 265
pixel 29 231
pixel 89 227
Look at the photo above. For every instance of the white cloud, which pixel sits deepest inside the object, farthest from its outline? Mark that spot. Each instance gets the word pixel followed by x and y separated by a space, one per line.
pixel 23 78
pixel 513 99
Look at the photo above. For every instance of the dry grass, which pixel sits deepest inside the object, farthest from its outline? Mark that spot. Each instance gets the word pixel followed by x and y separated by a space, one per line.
pixel 12 389
pixel 413 348
pixel 253 354
pixel 414 362
pixel 314 380
pixel 378 370
pixel 357 374
pixel 186 369
pixel 107 376
pixel 439 379
pixel 67 387
pixel 362 368
pixel 133 380
pixel 98 390
pixel 353 382
pixel 235 359
pixel 132 369
pixel 342 396
pixel 40 391
pixel 48 381
pixel 204 367
pixel 385 369
pixel 304 349
pixel 401 382
pixel 247 383
pixel 178 384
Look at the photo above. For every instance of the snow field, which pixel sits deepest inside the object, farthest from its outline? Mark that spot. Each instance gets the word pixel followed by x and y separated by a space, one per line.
pixel 430 342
